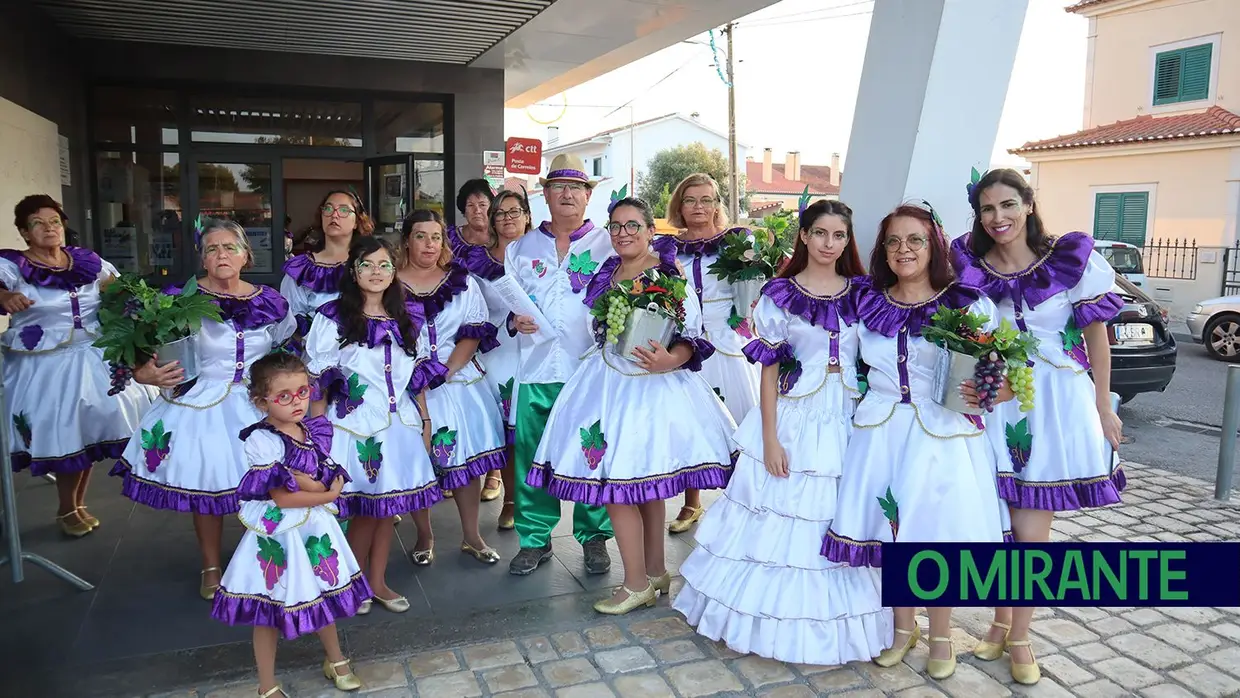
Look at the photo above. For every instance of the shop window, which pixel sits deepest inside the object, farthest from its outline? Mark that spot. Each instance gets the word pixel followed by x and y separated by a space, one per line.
pixel 132 116
pixel 139 217
pixel 270 121
pixel 428 187
pixel 409 127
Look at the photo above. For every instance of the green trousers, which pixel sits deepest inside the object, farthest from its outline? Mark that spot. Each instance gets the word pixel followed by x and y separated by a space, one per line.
pixel 536 512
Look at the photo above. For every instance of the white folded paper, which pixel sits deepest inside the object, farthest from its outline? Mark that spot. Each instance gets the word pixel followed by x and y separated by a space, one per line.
pixel 519 302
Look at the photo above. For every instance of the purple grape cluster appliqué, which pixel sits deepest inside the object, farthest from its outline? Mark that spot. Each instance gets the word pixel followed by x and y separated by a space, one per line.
pixel 272 518
pixel 271 560
pixel 988 378
pixel 370 454
pixel 120 375
pixel 443 443
pixel 156 444
pixel 1019 443
pixel 593 445
pixel 22 423
pixel 324 559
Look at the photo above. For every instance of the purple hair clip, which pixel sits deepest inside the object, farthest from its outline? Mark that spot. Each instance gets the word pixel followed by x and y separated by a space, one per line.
pixel 803 202
pixel 938 222
pixel 616 196
pixel 974 178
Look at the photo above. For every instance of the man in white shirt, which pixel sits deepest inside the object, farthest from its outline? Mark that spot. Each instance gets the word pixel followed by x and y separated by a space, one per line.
pixel 554 264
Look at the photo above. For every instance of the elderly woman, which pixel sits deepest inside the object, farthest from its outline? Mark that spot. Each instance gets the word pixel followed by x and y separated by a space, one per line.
pixel 474 202
pixel 187 454
pixel 510 219
pixel 313 277
pixel 51 292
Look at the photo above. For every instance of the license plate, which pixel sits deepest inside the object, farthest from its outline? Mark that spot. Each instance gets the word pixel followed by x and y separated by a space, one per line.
pixel 1134 334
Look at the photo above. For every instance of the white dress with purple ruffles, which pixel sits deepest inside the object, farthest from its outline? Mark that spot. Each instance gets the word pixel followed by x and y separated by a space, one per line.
pixel 500 363
pixel 185 455
pixel 467 431
pixel 765 532
pixel 57 408
pixel 621 435
pixel 293 569
pixel 370 391
pixel 1056 457
pixel 914 470
pixel 308 284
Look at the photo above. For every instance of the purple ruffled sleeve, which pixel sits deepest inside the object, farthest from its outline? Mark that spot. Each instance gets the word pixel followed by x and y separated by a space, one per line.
pixel 484 332
pixel 1093 296
pixel 1101 308
pixel 760 351
pixel 259 480
pixel 701 350
pixel 329 385
pixel 428 374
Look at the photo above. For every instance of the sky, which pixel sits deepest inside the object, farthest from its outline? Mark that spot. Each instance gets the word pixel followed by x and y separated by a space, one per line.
pixel 794 46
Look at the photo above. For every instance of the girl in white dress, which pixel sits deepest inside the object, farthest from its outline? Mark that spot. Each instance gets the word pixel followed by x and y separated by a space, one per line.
pixel 467 438
pixel 766 531
pixel 913 470
pixel 185 455
pixel 362 351
pixel 697 206
pixel 313 277
pixel 62 411
pixel 1057 455
pixel 292 573
pixel 510 219
pixel 628 434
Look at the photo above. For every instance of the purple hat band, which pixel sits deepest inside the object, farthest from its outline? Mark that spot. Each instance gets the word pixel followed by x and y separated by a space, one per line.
pixel 567 174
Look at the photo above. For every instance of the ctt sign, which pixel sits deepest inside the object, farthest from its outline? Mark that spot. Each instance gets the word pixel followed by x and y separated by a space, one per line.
pixel 524 155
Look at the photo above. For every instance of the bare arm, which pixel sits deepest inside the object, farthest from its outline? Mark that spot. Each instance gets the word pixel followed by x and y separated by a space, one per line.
pixel 300 500
pixel 461 354
pixel 1098 347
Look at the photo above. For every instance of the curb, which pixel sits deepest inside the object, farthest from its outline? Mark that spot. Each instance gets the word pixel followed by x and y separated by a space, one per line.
pixel 1183 337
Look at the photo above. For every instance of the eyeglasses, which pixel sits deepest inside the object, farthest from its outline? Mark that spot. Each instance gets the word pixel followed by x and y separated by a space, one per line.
pixel 570 186
pixel 705 202
pixel 344 210
pixel 228 248
pixel 286 398
pixel 915 243
pixel 629 228
pixel 510 214
pixel 53 224
pixel 384 268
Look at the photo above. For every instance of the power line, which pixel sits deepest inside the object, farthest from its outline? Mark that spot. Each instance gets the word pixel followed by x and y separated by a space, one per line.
pixel 809 12
pixel 810 20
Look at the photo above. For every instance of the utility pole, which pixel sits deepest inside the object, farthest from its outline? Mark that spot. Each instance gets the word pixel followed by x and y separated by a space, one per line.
pixel 734 199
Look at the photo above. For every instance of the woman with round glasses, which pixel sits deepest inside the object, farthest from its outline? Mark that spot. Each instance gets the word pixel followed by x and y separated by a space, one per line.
pixel 313 277
pixel 362 352
pixel 510 219
pixel 51 293
pixel 1058 452
pixel 696 207
pixel 468 433
pixel 914 471
pixel 474 201
pixel 186 455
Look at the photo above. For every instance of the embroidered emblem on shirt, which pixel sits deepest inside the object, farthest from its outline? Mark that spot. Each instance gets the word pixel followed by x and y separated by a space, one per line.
pixel 539 268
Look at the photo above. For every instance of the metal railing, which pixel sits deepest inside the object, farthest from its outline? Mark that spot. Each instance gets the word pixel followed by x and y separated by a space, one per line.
pixel 1170 259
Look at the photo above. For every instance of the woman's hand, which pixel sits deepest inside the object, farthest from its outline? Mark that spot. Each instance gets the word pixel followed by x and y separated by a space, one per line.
pixel 968 391
pixel 656 359
pixel 14 302
pixel 524 324
pixel 169 375
pixel 337 484
pixel 1112 427
pixel 426 435
pixel 774 457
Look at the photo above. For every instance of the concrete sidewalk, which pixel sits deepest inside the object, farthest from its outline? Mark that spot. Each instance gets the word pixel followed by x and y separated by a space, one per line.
pixel 1086 652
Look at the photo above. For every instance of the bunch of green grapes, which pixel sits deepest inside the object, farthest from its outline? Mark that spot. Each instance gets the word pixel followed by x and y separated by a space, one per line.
pixel 1020 378
pixel 617 313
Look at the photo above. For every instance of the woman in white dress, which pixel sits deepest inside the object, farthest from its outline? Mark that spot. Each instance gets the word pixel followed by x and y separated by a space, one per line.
pixel 468 433
pixel 362 352
pixel 292 573
pixel 313 277
pixel 186 455
pixel 62 410
pixel 630 432
pixel 913 470
pixel 766 531
pixel 697 206
pixel 1058 453
pixel 510 219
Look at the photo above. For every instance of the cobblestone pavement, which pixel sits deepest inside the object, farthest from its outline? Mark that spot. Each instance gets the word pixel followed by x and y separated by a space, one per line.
pixel 1085 652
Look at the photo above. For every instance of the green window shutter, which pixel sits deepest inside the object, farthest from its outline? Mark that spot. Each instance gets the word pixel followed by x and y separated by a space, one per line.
pixel 1106 216
pixel 1167 77
pixel 1195 77
pixel 1133 209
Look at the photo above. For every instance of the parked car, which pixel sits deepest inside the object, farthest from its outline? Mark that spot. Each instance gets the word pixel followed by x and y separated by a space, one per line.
pixel 1143 350
pixel 1125 259
pixel 1215 322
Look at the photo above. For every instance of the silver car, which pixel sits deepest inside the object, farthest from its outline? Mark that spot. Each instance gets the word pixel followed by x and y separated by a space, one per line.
pixel 1215 322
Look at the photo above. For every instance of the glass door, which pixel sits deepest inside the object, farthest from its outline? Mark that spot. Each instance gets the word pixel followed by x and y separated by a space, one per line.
pixel 389 191
pixel 248 190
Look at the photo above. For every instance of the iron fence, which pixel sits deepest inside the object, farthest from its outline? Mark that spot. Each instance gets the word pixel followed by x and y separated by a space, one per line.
pixel 1231 269
pixel 1169 259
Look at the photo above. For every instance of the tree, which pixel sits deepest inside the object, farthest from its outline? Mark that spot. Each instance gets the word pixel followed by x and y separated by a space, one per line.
pixel 258 179
pixel 669 166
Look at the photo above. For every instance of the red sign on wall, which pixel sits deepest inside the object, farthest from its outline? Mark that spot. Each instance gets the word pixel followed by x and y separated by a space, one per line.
pixel 524 155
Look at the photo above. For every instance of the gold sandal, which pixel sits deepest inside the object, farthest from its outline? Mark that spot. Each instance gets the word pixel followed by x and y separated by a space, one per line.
pixel 507 523
pixel 422 558
pixel 271 692
pixel 894 655
pixel 662 583
pixel 988 651
pixel 942 668
pixel 345 682
pixel 635 600
pixel 486 555
pixel 207 592
pixel 1027 674
pixel 681 525
pixel 71 529
pixel 87 518
pixel 489 493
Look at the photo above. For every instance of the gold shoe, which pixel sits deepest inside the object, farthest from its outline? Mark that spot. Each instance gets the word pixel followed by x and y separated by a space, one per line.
pixel 397 605
pixel 86 517
pixel 347 682
pixel 682 525
pixel 364 607
pixel 207 592
pixel 662 583
pixel 486 555
pixel 507 523
pixel 422 558
pixel 489 493
pixel 942 668
pixel 636 599
pixel 894 655
pixel 272 692
pixel 72 525
pixel 1027 674
pixel 988 651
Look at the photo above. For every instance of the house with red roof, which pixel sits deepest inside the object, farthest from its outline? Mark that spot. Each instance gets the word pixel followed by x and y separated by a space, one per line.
pixel 1158 156
pixel 774 186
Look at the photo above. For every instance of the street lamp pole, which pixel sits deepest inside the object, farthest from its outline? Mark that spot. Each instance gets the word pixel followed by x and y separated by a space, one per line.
pixel 733 195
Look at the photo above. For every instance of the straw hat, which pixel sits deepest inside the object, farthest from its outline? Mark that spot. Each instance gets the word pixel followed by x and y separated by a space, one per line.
pixel 567 167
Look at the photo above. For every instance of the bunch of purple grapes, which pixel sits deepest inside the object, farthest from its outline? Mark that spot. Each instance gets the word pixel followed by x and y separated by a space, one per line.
pixel 988 377
pixel 121 375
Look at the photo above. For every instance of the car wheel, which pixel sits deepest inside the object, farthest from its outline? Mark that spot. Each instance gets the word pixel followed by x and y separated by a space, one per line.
pixel 1222 337
pixel 1125 398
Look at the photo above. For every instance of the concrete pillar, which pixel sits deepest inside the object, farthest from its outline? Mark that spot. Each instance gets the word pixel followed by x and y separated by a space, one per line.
pixel 932 90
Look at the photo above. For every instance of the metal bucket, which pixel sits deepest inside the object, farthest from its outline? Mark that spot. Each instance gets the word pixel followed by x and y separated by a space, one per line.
pixel 640 328
pixel 952 369
pixel 745 295
pixel 184 350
